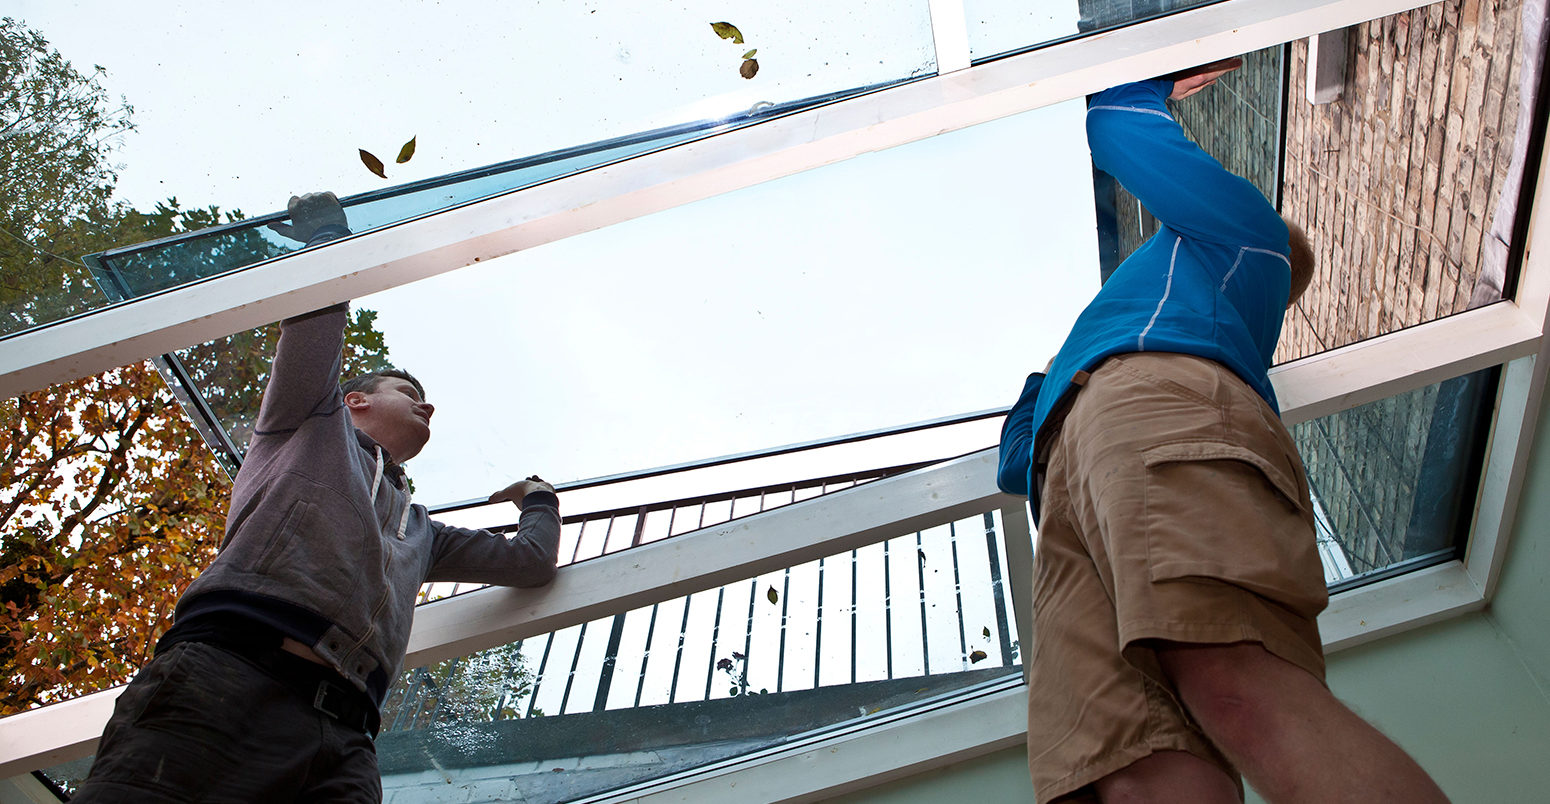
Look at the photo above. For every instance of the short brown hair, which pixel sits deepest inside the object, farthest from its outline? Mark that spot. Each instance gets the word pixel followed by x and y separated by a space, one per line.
pixel 1302 261
pixel 368 382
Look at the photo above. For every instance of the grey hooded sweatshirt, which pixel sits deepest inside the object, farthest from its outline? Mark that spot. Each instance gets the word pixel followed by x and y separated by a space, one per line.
pixel 322 540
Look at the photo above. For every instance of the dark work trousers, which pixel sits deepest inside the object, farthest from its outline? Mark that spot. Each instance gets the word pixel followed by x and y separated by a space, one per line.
pixel 202 724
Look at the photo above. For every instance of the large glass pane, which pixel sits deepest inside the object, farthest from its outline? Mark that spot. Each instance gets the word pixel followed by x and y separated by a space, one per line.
pixel 242 111
pixel 836 301
pixel 137 270
pixel 1403 181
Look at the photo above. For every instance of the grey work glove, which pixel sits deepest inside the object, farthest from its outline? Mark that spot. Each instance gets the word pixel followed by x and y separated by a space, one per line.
pixel 518 491
pixel 313 215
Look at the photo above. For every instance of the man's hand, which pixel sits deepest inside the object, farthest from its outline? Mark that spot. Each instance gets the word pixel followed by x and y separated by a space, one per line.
pixel 519 490
pixel 312 212
pixel 1188 82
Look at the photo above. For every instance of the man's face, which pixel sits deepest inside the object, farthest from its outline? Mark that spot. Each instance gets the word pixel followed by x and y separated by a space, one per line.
pixel 394 415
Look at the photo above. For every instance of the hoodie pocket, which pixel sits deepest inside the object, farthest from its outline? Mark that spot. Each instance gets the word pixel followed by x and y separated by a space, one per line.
pixel 280 542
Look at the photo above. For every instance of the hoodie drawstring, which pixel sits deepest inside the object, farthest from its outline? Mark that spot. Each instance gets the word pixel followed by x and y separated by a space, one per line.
pixel 376 483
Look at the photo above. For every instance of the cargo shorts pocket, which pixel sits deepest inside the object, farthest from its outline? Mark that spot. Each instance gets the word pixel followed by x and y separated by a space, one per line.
pixel 1225 512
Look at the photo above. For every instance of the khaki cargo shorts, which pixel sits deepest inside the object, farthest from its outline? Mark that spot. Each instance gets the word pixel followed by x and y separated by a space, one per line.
pixel 1175 508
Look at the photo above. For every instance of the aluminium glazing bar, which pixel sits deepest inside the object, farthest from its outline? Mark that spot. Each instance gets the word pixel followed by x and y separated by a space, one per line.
pixel 483 230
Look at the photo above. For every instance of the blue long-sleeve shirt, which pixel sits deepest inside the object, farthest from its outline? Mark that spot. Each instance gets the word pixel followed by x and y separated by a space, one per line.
pixel 1212 282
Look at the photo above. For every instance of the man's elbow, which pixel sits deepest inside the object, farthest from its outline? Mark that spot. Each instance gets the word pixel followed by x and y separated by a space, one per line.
pixel 540 575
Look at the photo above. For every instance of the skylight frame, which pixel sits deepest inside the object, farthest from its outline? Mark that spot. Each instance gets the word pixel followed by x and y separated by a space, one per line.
pixel 1509 333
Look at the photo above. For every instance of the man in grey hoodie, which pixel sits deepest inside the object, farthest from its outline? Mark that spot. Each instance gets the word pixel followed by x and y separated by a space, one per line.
pixel 268 686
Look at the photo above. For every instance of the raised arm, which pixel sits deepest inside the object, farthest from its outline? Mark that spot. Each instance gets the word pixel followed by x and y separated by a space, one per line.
pixel 304 378
pixel 1135 139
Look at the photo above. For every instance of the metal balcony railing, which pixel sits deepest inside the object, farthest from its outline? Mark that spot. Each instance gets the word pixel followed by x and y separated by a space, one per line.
pixel 923 603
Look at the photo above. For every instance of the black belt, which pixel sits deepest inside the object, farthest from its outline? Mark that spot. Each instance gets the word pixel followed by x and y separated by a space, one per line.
pixel 324 689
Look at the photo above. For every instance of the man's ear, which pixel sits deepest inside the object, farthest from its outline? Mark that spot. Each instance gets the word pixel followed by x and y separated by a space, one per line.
pixel 357 400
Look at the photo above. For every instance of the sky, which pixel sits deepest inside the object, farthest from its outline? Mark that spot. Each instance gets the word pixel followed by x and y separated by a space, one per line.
pixel 899 286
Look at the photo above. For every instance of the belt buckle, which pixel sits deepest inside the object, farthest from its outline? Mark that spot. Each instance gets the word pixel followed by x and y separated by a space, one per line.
pixel 321 701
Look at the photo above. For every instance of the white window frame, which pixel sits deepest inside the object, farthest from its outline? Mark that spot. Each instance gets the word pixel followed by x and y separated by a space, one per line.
pixel 1509 333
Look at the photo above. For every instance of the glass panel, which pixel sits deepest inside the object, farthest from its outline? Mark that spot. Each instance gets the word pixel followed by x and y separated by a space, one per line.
pixel 1000 27
pixel 1394 481
pixel 293 101
pixel 1399 182
pixel 777 314
pixel 752 665
pixel 138 270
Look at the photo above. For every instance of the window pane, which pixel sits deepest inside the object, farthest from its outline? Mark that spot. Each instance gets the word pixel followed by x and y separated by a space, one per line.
pixel 292 102
pixel 1400 182
pixel 1394 481
pixel 833 301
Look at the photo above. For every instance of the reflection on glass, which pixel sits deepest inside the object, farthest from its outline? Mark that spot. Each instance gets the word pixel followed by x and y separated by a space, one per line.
pixel 1393 481
pixel 1422 232
pixel 1000 27
pixel 720 673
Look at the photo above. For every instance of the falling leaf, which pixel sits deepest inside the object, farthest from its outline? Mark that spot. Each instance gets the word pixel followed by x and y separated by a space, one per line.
pixel 987 632
pixel 773 595
pixel 406 153
pixel 749 69
pixel 372 163
pixel 750 53
pixel 977 657
pixel 727 30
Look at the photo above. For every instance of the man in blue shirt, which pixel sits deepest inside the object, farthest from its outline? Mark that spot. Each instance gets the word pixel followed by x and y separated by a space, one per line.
pixel 1177 580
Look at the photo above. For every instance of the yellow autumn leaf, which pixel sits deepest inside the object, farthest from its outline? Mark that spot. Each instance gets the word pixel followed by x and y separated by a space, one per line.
pixel 727 30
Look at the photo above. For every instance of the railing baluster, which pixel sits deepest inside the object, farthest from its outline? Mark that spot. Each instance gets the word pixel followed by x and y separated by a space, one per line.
pixel 888 608
pixel 575 661
pixel 920 575
pixel 963 634
pixel 785 613
pixel 645 658
pixel 538 678
pixel 818 627
pixel 855 611
pixel 999 588
pixel 678 655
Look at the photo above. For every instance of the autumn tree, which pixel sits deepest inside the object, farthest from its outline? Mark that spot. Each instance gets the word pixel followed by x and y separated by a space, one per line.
pixel 110 502
pixel 58 128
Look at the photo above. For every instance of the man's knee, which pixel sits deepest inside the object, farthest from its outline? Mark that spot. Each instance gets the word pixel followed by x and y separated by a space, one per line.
pixel 1234 691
